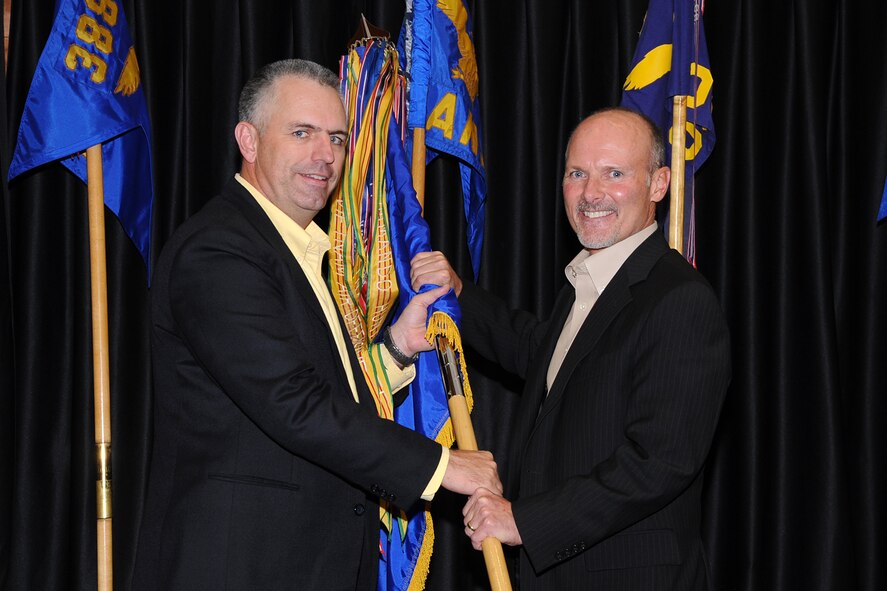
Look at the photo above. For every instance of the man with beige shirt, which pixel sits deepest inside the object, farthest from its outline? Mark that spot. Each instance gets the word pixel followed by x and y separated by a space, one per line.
pixel 269 459
pixel 624 384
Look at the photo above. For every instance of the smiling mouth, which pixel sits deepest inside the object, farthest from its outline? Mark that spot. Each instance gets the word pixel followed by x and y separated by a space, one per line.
pixel 316 177
pixel 598 214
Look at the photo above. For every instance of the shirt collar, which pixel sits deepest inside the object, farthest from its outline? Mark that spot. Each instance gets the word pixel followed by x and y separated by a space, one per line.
pixel 304 243
pixel 603 265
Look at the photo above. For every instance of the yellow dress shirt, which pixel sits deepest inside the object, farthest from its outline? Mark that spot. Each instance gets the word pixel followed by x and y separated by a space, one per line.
pixel 308 246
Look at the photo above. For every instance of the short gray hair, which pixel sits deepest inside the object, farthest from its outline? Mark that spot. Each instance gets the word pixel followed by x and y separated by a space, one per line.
pixel 257 88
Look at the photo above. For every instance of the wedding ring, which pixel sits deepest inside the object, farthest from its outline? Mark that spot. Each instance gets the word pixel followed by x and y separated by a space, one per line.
pixel 470 526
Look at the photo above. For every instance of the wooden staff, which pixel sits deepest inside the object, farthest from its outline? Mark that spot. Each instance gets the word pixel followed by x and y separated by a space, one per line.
pixel 678 147
pixel 494 557
pixel 100 366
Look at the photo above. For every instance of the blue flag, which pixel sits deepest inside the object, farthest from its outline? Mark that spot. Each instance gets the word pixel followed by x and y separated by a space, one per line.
pixel 443 98
pixel 87 91
pixel 406 558
pixel 671 59
pixel 376 228
pixel 882 213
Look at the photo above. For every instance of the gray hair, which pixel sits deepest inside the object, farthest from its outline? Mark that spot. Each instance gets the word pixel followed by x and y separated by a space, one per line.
pixel 257 89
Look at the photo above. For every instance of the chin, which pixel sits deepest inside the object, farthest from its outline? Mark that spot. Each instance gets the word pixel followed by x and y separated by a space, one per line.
pixel 597 242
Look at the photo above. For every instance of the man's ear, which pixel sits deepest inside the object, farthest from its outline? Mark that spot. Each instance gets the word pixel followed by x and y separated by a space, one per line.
pixel 247 137
pixel 659 183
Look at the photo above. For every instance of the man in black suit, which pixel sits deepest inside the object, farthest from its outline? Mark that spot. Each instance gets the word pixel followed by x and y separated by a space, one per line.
pixel 269 458
pixel 624 384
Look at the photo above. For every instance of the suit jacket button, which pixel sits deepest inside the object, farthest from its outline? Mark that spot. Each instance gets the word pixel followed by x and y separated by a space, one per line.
pixel 559 556
pixel 359 509
pixel 392 497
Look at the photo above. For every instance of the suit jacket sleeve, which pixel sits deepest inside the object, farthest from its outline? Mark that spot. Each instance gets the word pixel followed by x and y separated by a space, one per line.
pixel 508 337
pixel 273 357
pixel 678 373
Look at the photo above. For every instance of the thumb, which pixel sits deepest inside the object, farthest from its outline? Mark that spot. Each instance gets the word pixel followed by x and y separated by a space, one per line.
pixel 426 298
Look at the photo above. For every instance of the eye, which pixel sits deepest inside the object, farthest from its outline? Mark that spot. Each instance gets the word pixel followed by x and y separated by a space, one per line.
pixel 575 174
pixel 300 133
pixel 337 140
pixel 615 174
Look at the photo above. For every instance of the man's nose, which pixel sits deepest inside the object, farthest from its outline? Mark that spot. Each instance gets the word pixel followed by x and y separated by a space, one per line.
pixel 591 190
pixel 323 149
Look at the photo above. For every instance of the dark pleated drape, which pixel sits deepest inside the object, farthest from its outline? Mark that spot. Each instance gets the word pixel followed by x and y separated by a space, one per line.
pixel 787 235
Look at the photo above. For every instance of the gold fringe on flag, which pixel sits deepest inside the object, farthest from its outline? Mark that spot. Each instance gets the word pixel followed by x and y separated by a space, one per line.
pixel 441 324
pixel 423 563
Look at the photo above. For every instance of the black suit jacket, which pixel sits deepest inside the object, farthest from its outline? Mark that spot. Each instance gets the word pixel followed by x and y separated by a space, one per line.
pixel 265 473
pixel 606 470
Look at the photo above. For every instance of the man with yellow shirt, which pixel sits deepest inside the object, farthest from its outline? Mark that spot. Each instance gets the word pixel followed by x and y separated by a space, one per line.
pixel 269 459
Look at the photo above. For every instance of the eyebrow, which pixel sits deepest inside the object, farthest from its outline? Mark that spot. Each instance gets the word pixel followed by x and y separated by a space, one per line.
pixel 311 126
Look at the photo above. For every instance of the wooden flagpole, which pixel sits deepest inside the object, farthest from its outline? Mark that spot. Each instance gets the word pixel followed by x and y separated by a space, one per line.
pixel 100 366
pixel 419 165
pixel 494 557
pixel 678 164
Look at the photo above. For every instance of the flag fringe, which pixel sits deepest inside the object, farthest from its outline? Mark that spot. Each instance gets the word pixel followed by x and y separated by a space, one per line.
pixel 442 325
pixel 423 561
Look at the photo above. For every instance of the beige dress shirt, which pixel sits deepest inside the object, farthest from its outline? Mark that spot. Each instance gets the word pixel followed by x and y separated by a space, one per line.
pixel 589 274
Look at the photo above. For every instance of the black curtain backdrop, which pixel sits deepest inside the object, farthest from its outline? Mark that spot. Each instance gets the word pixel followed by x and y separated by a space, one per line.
pixel 787 235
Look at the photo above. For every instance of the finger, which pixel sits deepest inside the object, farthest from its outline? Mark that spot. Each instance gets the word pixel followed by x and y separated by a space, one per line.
pixel 421 277
pixel 426 298
pixel 429 263
pixel 476 541
pixel 496 487
pixel 482 493
pixel 425 256
pixel 469 509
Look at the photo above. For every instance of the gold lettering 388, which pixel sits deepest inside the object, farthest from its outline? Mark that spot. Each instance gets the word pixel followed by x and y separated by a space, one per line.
pixel 91 32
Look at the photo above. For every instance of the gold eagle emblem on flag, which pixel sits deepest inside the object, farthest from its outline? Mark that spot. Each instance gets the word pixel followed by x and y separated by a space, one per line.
pixel 130 78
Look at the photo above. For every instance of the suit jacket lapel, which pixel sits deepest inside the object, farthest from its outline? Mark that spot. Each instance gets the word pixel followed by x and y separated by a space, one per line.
pixel 258 219
pixel 615 297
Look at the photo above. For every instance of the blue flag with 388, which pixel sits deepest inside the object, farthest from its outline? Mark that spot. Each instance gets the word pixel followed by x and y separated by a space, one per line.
pixel 87 91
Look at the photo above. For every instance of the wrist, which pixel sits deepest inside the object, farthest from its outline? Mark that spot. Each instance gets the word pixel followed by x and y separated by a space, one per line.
pixel 396 352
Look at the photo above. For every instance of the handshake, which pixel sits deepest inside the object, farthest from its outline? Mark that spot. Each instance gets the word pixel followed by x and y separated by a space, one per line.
pixel 487 513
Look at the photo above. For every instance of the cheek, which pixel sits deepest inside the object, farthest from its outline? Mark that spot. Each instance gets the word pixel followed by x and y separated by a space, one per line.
pixel 637 210
pixel 572 195
pixel 338 165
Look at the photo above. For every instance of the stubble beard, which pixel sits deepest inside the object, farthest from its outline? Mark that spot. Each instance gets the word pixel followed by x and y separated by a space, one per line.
pixel 598 244
pixel 594 240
